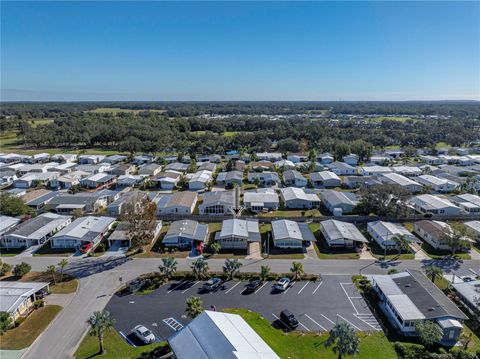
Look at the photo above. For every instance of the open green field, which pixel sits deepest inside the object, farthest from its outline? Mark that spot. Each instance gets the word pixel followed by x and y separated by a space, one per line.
pixel 24 335
pixel 311 345
pixel 390 118
pixel 115 110
pixel 115 347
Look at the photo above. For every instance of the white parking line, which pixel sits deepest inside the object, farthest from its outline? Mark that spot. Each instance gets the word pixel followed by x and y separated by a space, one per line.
pixel 321 326
pixel 353 305
pixel 288 325
pixel 289 288
pixel 331 321
pixel 353 325
pixel 233 287
pixel 193 285
pixel 376 328
pixel 318 286
pixel 128 340
pixel 303 287
pixel 259 289
pixel 304 326
pixel 178 285
pixel 173 323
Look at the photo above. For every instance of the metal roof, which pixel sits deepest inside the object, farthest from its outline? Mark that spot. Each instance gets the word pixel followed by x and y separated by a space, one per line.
pixel 188 229
pixel 286 229
pixel 13 294
pixel 294 193
pixel 240 228
pixel 38 227
pixel 342 230
pixel 85 228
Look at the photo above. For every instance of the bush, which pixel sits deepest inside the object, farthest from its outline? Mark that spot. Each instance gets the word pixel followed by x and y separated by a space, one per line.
pixel 21 269
pixel 408 351
pixel 4 268
pixel 39 303
pixel 100 248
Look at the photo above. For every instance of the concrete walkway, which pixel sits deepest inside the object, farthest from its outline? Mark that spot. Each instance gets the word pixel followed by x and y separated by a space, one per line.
pixel 366 254
pixel 310 252
pixel 59 299
pixel 12 354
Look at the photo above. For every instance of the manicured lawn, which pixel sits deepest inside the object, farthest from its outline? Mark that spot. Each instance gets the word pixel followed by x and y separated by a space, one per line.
pixel 378 252
pixel 324 252
pixel 48 251
pixel 67 285
pixel 24 335
pixel 10 252
pixel 292 213
pixel 311 345
pixel 441 254
pixel 156 249
pixel 115 348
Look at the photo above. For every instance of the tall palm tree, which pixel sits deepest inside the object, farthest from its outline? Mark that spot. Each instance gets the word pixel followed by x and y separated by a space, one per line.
pixel 403 244
pixel 100 322
pixel 433 272
pixel 264 272
pixel 51 270
pixel 168 266
pixel 194 306
pixel 297 270
pixel 231 268
pixel 199 268
pixel 62 264
pixel 343 340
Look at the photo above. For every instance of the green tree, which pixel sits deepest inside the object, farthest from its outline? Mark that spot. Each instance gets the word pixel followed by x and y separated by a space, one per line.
pixel 429 332
pixel 11 205
pixel 199 268
pixel 297 270
pixel 62 264
pixel 215 247
pixel 168 266
pixel 100 322
pixel 456 236
pixel 264 272
pixel 21 269
pixel 194 307
pixel 231 268
pixel 5 322
pixel 4 268
pixel 343 340
pixel 52 271
pixel 402 243
pixel 433 272
pixel 384 200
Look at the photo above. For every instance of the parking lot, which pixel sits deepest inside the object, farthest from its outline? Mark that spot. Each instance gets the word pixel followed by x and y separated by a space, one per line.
pixel 316 305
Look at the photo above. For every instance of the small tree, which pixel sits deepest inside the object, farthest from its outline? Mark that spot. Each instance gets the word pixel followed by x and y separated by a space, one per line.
pixel 100 322
pixel 168 266
pixel 403 244
pixel 5 322
pixel 456 237
pixel 215 247
pixel 62 264
pixel 264 272
pixel 194 306
pixel 433 272
pixel 4 268
pixel 231 268
pixel 199 268
pixel 343 340
pixel 430 333
pixel 21 269
pixel 52 271
pixel 297 270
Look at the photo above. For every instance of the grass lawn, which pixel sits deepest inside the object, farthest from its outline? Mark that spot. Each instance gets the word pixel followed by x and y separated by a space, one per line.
pixel 24 335
pixel 10 252
pixel 115 347
pixel 378 252
pixel 292 213
pixel 311 345
pixel 441 254
pixel 324 252
pixel 48 251
pixel 67 285
pixel 156 249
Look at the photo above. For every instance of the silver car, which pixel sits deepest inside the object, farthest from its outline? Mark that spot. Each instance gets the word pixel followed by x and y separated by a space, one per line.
pixel 144 334
pixel 282 284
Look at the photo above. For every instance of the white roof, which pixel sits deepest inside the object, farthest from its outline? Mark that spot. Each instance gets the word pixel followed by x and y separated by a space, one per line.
pixel 13 294
pixel 429 201
pixel 390 229
pixel 217 335
pixel 400 179
pixel 473 225
pixel 239 228
pixel 81 227
pixel 293 193
pixel 7 222
pixel 342 230
pixel 285 229
pixel 38 227
pixel 323 176
pixel 201 176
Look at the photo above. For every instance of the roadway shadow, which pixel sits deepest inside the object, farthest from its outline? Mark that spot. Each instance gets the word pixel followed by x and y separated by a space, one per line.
pixel 447 264
pixel 82 269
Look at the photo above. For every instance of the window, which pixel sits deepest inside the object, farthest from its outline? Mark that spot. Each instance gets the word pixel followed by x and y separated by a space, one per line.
pixel 451 334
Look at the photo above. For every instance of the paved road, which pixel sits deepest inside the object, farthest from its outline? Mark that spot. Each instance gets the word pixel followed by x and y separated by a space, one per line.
pixel 99 279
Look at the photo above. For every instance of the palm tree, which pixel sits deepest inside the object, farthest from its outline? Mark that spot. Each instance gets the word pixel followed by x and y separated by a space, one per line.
pixel 168 266
pixel 100 322
pixel 231 268
pixel 51 270
pixel 62 264
pixel 297 270
pixel 264 272
pixel 403 244
pixel 343 340
pixel 199 268
pixel 194 306
pixel 215 247
pixel 433 272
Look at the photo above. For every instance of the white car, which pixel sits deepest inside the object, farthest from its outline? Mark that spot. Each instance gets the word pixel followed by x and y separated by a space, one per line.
pixel 282 284
pixel 144 334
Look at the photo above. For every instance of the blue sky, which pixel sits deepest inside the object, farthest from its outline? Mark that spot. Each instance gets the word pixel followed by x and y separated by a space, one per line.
pixel 240 50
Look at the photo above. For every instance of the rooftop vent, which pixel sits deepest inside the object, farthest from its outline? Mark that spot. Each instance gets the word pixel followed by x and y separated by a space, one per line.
pixel 431 309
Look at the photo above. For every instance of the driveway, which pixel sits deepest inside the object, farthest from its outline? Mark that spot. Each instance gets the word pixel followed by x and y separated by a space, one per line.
pixel 116 250
pixel 317 305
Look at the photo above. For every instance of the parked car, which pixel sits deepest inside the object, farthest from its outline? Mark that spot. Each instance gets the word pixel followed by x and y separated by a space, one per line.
pixel 282 284
pixel 144 334
pixel 212 284
pixel 86 247
pixel 253 285
pixel 288 318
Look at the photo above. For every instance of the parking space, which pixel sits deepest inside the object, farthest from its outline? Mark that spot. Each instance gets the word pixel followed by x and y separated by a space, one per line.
pixel 316 305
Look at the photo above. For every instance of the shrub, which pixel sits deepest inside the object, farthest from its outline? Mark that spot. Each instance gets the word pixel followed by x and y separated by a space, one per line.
pixel 101 248
pixel 21 269
pixel 38 303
